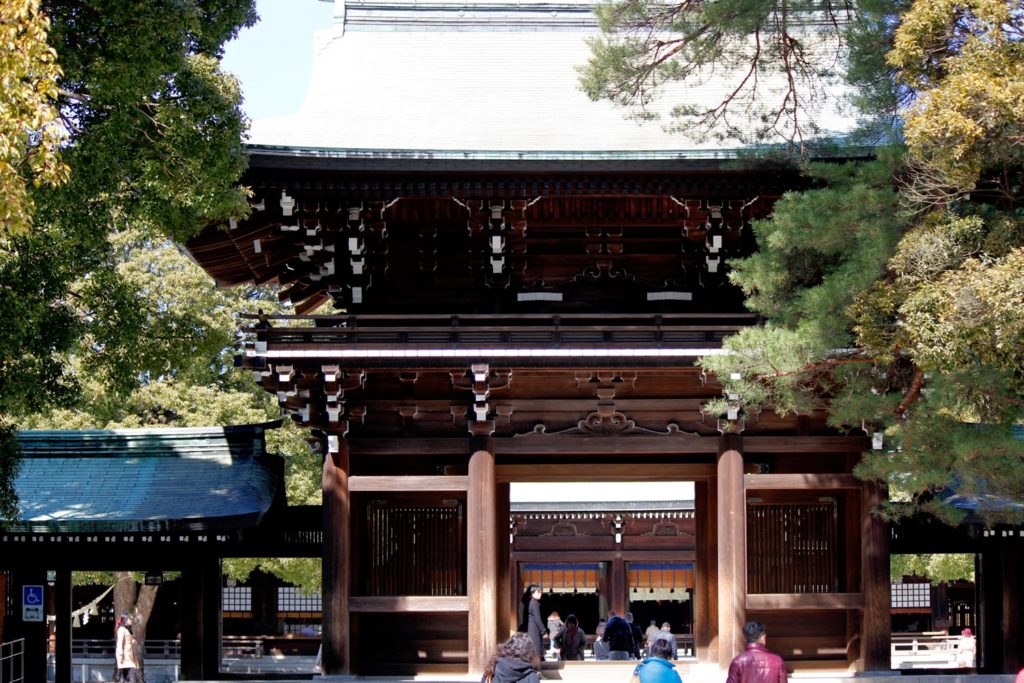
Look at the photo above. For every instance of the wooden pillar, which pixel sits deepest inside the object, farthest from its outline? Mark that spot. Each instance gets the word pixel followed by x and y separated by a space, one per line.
pixel 201 617
pixel 1013 635
pixel 705 592
pixel 618 586
pixel 62 624
pixel 336 657
pixel 876 623
pixel 481 556
pixel 36 634
pixel 989 580
pixel 732 549
pixel 506 605
pixel 3 601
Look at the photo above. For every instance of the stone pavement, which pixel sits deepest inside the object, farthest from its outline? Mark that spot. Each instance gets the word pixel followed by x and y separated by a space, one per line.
pixel 622 675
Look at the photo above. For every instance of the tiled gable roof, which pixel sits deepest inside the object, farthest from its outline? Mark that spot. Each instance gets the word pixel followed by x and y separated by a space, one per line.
pixel 145 479
pixel 494 76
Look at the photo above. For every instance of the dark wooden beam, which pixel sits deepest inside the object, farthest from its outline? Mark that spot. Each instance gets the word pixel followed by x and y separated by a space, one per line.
pixel 408 603
pixel 407 484
pixel 800 481
pixel 661 446
pixel 805 444
pixel 805 601
pixel 621 472
pixel 383 447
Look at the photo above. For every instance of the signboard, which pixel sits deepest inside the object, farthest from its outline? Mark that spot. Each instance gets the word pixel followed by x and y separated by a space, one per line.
pixel 32 603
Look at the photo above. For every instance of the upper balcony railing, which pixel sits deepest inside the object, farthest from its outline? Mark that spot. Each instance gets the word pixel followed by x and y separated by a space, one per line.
pixel 641 331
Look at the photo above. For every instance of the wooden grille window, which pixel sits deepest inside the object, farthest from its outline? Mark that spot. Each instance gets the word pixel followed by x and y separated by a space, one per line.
pixel 792 548
pixel 415 549
pixel 236 598
pixel 292 599
pixel 906 595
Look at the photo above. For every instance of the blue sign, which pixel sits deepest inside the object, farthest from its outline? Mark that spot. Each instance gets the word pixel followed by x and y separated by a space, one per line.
pixel 32 603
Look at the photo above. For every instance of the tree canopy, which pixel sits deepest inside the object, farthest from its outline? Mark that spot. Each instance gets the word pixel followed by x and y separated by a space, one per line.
pixel 117 129
pixel 107 323
pixel 893 288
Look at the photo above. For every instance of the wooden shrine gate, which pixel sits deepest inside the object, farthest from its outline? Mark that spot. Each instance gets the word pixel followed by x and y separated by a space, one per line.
pixel 504 321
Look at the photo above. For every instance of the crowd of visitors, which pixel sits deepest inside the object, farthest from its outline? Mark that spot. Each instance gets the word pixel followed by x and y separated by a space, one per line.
pixel 617 638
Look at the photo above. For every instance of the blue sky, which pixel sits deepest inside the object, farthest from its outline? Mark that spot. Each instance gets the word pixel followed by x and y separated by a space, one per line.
pixel 272 59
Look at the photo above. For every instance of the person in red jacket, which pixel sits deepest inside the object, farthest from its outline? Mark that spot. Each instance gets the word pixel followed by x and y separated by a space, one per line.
pixel 756 664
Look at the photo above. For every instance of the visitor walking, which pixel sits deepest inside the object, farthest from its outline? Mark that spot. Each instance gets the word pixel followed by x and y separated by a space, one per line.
pixel 756 664
pixel 124 650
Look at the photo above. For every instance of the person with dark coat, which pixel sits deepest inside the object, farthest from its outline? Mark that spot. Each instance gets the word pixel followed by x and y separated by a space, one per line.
pixel 638 635
pixel 513 662
pixel 657 668
pixel 619 637
pixel 756 664
pixel 535 625
pixel 572 641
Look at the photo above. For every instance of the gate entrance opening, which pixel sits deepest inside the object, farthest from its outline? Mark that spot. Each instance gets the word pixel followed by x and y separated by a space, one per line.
pixel 594 552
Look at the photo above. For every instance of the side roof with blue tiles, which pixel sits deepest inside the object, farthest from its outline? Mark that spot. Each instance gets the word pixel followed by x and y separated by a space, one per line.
pixel 145 479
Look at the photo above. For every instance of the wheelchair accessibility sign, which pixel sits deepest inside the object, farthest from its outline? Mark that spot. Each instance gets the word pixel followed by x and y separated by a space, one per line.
pixel 32 603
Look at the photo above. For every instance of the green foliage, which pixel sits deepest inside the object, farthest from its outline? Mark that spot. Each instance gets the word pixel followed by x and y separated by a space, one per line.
pixel 894 300
pixel 30 139
pixel 965 62
pixel 303 572
pixel 895 323
pixel 944 568
pixel 154 147
pixel 819 250
pixel 9 466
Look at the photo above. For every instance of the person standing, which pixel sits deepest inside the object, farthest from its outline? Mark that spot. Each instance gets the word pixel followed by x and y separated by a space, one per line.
pixel 572 640
pixel 652 630
pixel 965 651
pixel 657 668
pixel 619 637
pixel 756 664
pixel 555 626
pixel 637 635
pixel 535 626
pixel 600 644
pixel 124 650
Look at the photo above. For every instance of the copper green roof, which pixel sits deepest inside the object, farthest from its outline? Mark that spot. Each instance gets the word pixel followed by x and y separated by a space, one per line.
pixel 145 479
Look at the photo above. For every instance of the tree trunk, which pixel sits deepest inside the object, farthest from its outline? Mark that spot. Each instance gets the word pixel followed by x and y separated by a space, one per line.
pixel 137 601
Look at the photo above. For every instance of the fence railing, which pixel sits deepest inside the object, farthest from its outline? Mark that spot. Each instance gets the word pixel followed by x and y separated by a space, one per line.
pixel 12 661
pixel 96 648
pixel 928 651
